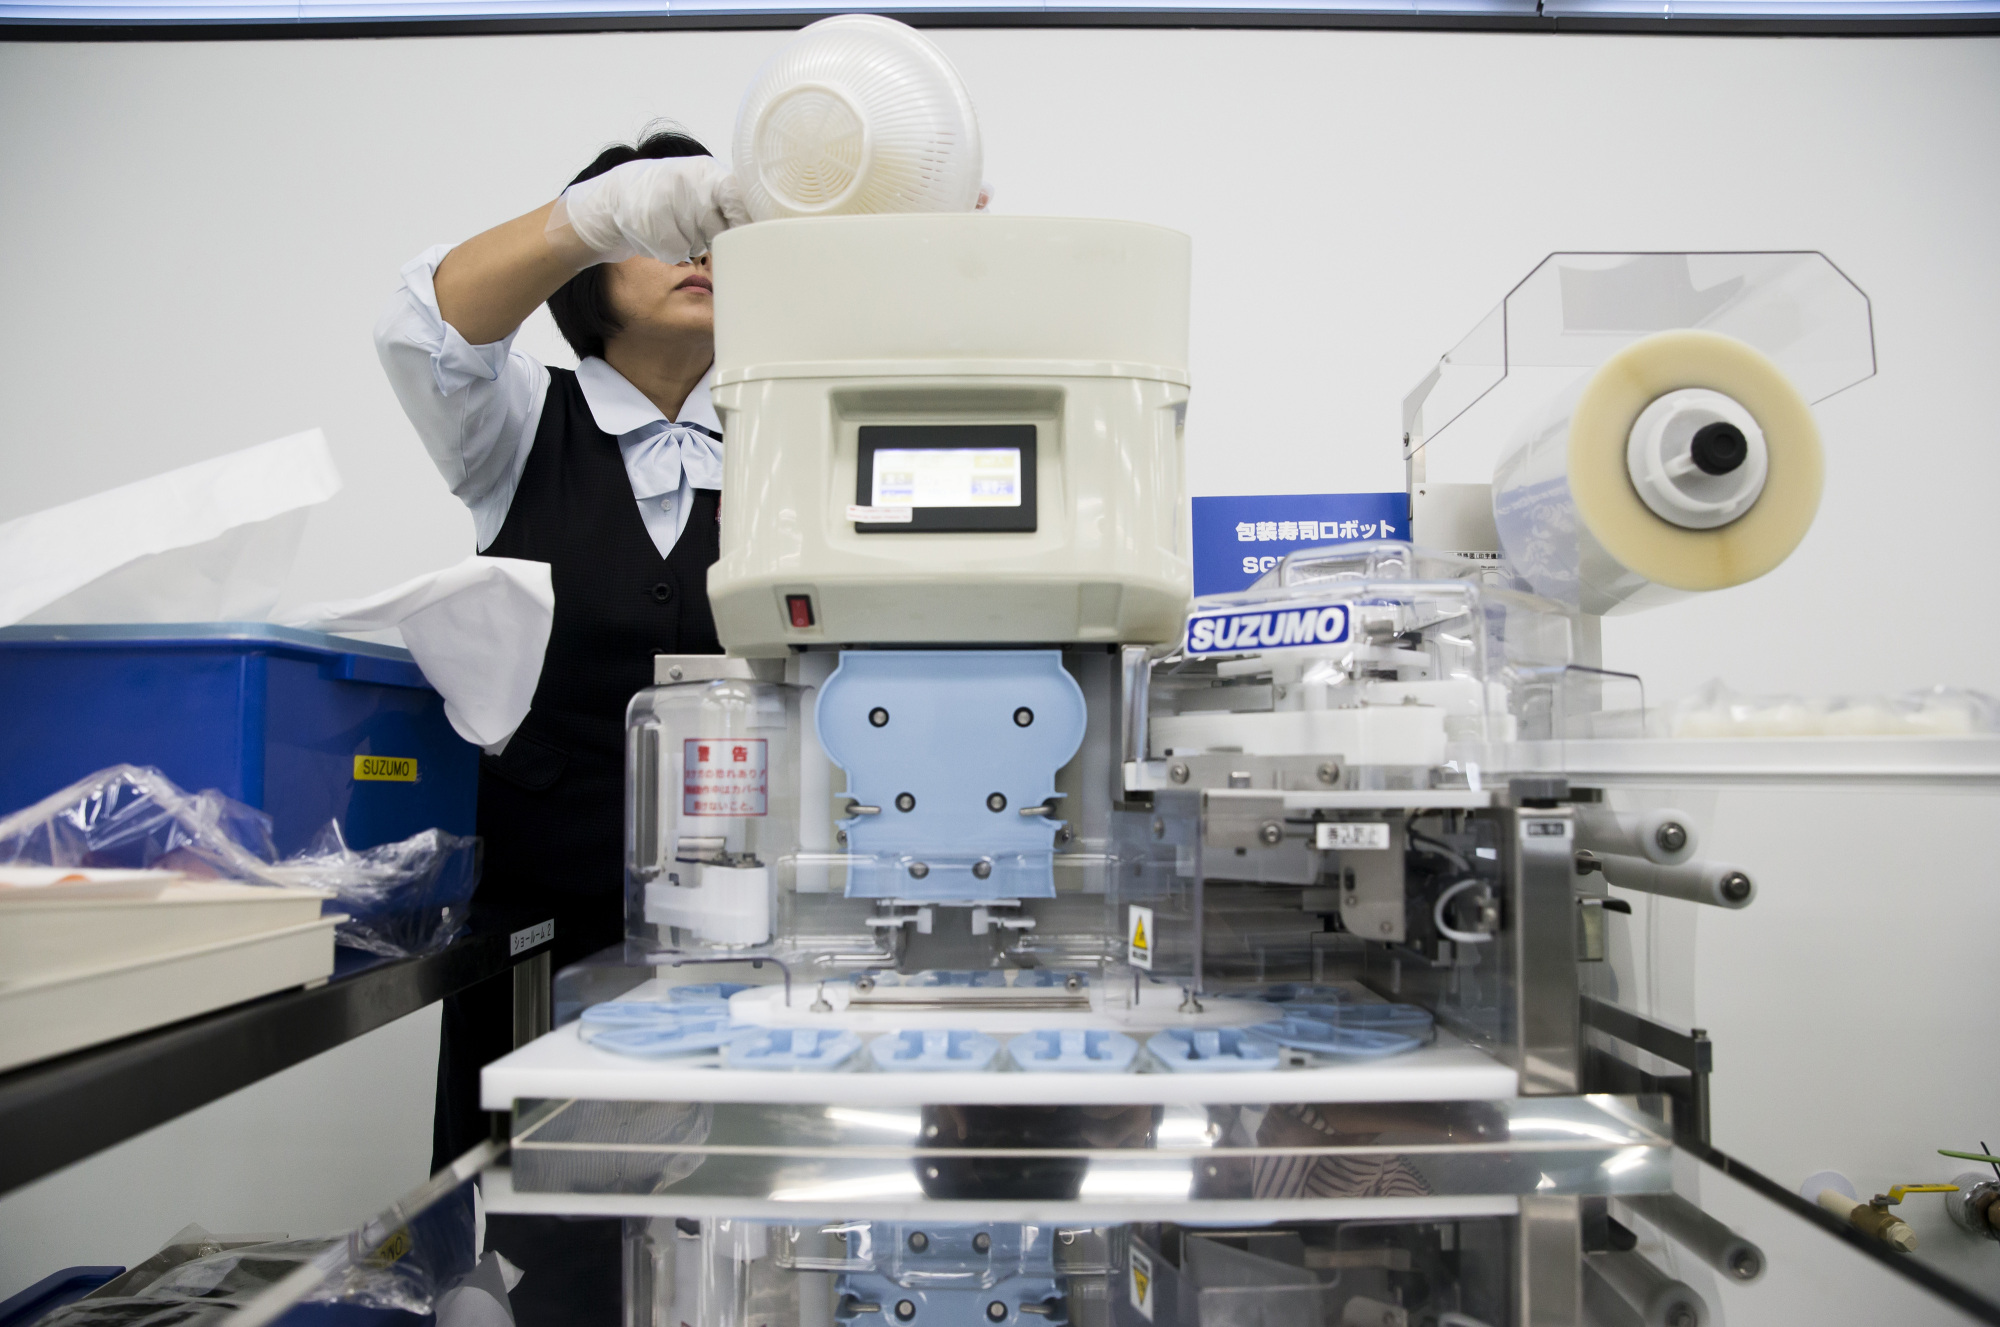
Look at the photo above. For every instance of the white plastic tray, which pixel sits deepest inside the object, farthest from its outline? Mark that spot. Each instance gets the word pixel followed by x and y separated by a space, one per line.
pixel 75 1009
pixel 560 1065
pixel 47 932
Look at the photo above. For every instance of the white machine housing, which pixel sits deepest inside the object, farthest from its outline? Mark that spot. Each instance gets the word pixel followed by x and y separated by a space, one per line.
pixel 1076 327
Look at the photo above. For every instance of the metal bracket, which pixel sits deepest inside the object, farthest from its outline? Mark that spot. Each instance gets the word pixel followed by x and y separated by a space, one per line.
pixel 1691 1050
pixel 1236 770
pixel 895 918
pixel 1242 822
pixel 989 916
pixel 1372 898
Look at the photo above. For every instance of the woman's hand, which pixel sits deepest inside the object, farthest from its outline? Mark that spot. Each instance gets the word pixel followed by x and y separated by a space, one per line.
pixel 670 209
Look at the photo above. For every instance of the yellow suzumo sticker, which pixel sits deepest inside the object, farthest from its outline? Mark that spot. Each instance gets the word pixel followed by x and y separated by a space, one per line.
pixel 385 769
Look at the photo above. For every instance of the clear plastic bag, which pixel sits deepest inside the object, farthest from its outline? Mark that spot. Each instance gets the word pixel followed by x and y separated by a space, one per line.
pixel 404 898
pixel 200 1278
pixel 408 897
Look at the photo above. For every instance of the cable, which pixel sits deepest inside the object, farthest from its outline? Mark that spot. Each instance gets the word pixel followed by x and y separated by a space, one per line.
pixel 1435 847
pixel 1437 914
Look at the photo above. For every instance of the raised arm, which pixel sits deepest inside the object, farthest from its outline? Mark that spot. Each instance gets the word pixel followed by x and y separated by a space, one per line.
pixel 669 209
pixel 487 286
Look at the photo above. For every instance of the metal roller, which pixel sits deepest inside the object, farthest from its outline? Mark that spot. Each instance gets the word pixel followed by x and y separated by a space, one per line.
pixel 1715 883
pixel 1656 1299
pixel 1702 1235
pixel 1666 836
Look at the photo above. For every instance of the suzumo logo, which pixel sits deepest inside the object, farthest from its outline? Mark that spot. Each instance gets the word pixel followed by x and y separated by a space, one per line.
pixel 1241 630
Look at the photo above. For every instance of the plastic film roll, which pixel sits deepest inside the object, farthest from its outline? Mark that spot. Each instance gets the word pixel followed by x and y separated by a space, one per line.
pixel 1702 1235
pixel 1686 463
pixel 1717 884
pixel 1655 1298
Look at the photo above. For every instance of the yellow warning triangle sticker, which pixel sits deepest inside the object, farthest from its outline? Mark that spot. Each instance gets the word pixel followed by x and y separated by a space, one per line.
pixel 1138 938
pixel 1139 1282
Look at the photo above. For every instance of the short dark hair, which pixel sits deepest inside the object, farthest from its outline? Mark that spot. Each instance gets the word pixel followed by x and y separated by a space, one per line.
pixel 582 307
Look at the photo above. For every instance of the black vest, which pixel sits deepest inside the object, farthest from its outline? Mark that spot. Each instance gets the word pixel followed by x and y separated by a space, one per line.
pixel 552 803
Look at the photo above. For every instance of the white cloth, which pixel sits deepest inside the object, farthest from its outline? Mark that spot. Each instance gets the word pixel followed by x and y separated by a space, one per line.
pixel 479 1299
pixel 211 541
pixel 476 409
pixel 478 630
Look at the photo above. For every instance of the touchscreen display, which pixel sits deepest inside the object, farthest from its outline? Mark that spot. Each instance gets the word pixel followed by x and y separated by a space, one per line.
pixel 947 477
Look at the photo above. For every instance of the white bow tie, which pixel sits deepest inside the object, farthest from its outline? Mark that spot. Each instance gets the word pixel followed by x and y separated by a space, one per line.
pixel 658 460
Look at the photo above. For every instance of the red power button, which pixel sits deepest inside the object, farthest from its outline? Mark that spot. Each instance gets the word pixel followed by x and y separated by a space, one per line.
pixel 800 606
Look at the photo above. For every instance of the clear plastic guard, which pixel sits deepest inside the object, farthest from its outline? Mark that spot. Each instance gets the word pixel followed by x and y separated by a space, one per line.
pixel 1575 310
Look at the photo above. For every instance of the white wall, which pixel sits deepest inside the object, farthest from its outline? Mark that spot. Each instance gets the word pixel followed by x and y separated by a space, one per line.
pixel 197 238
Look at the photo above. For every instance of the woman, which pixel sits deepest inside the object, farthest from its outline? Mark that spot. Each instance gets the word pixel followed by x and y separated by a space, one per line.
pixel 611 475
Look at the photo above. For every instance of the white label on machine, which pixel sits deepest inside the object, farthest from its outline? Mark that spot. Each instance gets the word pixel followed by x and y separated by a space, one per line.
pixel 1354 835
pixel 528 937
pixel 724 776
pixel 879 515
pixel 1139 937
pixel 947 477
pixel 1142 1282
pixel 1249 630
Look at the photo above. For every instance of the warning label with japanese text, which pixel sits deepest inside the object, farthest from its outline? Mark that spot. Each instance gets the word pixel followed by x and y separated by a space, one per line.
pixel 725 776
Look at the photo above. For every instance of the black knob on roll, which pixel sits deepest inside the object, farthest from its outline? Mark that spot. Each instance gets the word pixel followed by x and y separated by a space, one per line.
pixel 1719 447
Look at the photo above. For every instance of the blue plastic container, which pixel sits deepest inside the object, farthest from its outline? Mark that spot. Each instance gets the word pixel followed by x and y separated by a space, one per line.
pixel 304 726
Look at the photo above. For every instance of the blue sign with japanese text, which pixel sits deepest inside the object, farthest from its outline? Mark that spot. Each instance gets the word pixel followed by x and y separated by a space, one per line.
pixel 1238 539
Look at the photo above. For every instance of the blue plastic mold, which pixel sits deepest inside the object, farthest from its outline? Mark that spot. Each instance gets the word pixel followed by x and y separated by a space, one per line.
pixel 1212 1050
pixel 689 1036
pixel 1073 1051
pixel 270 716
pixel 791 1048
pixel 951 745
pixel 947 1279
pixel 1322 1037
pixel 931 1050
pixel 1407 1019
pixel 705 993
pixel 649 1014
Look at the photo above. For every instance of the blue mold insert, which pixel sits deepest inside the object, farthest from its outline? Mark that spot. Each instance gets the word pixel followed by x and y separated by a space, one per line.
pixel 688 1037
pixel 705 993
pixel 1212 1050
pixel 1322 1037
pixel 1073 1051
pixel 929 1050
pixel 951 745
pixel 952 1275
pixel 648 1014
pixel 791 1048
pixel 1406 1019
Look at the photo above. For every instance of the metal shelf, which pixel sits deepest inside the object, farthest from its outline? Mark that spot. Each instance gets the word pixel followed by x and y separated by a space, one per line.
pixel 64 1109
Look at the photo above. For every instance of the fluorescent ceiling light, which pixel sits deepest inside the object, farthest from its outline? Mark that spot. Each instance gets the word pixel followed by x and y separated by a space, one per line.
pixel 894 1184
pixel 887 1121
pixel 1103 1181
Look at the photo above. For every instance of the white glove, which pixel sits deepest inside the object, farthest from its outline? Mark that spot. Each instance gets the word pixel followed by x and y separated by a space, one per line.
pixel 669 209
